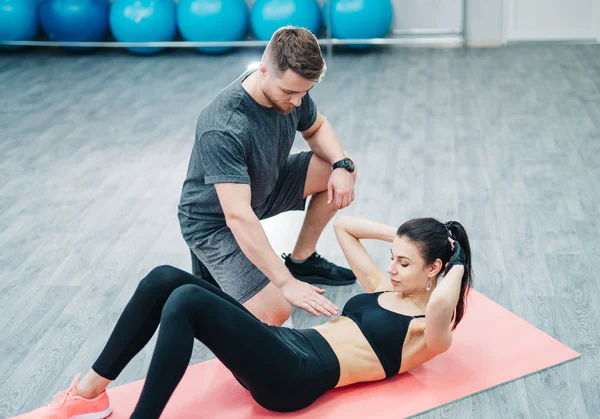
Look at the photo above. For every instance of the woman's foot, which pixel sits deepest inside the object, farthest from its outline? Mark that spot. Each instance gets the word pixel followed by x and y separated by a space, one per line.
pixel 69 405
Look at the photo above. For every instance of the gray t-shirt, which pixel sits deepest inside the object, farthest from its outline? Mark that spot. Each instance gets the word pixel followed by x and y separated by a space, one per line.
pixel 237 141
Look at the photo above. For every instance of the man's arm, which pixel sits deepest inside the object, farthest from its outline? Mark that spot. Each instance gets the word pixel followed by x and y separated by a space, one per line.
pixel 251 237
pixel 322 140
pixel 224 160
pixel 246 227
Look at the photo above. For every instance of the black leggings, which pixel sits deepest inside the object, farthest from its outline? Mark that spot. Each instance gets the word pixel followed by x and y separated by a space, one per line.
pixel 284 369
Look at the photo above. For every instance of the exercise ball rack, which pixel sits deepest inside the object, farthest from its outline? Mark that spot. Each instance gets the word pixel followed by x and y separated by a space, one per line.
pixel 397 37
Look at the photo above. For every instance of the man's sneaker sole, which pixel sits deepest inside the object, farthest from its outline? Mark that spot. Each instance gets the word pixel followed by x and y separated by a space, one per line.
pixel 98 415
pixel 314 280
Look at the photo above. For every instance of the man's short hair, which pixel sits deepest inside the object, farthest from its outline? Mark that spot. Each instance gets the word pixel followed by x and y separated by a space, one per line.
pixel 296 49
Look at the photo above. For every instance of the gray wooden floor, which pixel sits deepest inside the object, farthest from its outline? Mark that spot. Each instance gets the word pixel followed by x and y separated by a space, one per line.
pixel 94 149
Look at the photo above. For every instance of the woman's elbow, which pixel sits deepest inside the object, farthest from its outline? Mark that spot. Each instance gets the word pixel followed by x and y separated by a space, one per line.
pixel 340 223
pixel 440 344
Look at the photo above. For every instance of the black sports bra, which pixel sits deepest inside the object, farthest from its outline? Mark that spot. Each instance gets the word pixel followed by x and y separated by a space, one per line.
pixel 384 330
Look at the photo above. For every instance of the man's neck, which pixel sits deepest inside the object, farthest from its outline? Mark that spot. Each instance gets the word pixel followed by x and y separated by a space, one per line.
pixel 252 85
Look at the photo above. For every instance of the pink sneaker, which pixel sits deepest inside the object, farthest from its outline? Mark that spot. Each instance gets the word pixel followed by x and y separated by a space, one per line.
pixel 68 405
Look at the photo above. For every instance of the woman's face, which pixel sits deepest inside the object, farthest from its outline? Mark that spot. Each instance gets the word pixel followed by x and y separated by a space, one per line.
pixel 407 269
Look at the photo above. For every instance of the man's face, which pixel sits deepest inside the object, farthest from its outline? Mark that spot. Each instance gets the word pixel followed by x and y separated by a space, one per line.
pixel 284 91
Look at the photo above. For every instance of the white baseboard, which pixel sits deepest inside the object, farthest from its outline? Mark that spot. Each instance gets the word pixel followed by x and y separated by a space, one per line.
pixel 484 44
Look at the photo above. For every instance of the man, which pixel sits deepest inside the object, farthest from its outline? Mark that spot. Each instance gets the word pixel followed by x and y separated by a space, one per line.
pixel 240 172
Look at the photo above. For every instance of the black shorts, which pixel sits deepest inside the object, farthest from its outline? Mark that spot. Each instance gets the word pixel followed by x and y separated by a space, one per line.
pixel 220 254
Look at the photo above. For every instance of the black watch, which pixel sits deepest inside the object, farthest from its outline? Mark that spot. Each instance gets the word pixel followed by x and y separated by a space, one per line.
pixel 345 163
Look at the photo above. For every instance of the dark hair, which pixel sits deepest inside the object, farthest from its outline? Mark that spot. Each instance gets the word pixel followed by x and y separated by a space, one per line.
pixel 431 237
pixel 297 49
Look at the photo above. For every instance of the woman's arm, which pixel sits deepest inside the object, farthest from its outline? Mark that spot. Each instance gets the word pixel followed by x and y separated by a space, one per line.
pixel 448 290
pixel 440 308
pixel 349 232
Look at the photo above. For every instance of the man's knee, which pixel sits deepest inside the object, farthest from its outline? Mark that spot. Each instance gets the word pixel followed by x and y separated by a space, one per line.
pixel 269 306
pixel 281 315
pixel 275 316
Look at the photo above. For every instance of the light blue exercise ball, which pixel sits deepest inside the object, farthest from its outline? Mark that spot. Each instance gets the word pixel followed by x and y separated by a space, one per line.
pixel 75 20
pixel 269 15
pixel 360 19
pixel 212 21
pixel 18 21
pixel 143 21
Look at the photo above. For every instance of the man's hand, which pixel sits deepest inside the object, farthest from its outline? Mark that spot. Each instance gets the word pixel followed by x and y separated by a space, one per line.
pixel 340 188
pixel 307 297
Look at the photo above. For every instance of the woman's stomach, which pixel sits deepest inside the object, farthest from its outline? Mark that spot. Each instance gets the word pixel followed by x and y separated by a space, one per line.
pixel 358 361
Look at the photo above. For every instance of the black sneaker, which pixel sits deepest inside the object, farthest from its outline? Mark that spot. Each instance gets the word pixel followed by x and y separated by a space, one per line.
pixel 318 270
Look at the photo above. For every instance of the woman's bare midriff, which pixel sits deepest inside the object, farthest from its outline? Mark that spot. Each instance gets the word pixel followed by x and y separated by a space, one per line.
pixel 358 361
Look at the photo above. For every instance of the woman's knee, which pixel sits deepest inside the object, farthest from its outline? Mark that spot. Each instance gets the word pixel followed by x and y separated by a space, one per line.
pixel 184 298
pixel 157 281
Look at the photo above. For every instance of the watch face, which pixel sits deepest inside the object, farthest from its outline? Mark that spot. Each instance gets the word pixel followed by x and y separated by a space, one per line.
pixel 350 164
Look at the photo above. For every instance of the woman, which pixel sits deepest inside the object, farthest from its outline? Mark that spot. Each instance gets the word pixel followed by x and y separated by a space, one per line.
pixel 405 318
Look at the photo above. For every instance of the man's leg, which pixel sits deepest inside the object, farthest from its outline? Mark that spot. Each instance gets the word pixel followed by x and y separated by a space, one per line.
pixel 304 175
pixel 200 270
pixel 223 260
pixel 304 262
pixel 270 306
pixel 319 212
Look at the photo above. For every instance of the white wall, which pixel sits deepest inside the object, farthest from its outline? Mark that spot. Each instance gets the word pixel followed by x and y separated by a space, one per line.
pixel 484 21
pixel 550 19
pixel 428 14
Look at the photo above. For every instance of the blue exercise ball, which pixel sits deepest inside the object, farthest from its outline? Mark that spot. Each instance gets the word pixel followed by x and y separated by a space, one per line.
pixel 143 21
pixel 18 21
pixel 360 19
pixel 269 15
pixel 212 21
pixel 75 20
